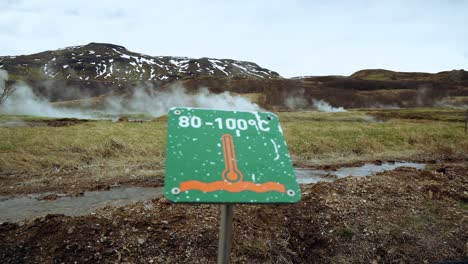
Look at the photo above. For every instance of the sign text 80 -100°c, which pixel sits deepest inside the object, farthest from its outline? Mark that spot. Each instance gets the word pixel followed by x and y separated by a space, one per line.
pixel 220 123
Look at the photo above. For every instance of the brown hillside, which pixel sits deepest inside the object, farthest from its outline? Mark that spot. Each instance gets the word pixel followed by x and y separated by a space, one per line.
pixel 454 76
pixel 338 91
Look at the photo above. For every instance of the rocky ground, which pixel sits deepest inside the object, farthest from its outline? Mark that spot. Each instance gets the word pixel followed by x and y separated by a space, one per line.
pixel 401 216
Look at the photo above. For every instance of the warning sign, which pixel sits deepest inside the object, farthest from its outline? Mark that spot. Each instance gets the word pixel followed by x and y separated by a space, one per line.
pixel 216 156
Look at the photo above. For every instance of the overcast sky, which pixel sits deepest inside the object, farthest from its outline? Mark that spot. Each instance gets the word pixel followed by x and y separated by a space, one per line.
pixel 291 37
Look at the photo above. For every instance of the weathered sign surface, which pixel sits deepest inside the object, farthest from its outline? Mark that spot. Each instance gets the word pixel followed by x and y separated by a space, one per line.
pixel 216 156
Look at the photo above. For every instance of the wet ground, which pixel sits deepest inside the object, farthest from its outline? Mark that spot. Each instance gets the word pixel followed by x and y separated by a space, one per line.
pixel 401 216
pixel 21 124
pixel 305 176
pixel 17 208
pixel 38 205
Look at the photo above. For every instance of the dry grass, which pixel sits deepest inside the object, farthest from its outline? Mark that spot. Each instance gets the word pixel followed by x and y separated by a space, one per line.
pixel 313 138
pixel 104 152
pixel 92 103
pixel 338 138
pixel 71 146
pixel 99 152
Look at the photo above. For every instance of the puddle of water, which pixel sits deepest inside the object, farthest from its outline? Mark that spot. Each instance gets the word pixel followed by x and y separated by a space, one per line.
pixel 305 176
pixel 311 176
pixel 20 123
pixel 29 207
pixel 13 124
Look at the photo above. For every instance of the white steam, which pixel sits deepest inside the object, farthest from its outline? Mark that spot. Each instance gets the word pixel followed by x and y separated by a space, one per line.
pixel 299 102
pixel 3 79
pixel 296 102
pixel 142 100
pixel 324 106
pixel 157 102
pixel 24 102
pixel 3 91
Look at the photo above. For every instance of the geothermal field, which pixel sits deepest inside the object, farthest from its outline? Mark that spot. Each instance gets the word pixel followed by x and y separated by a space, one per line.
pixel 381 158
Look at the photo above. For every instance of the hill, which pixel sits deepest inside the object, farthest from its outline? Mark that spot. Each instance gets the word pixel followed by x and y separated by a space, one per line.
pixel 97 70
pixel 454 76
pixel 108 62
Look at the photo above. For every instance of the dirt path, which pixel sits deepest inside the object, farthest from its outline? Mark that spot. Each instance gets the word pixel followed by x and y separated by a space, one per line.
pixel 402 216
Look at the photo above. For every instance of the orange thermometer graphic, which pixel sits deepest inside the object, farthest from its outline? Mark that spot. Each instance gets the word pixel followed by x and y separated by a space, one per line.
pixel 231 172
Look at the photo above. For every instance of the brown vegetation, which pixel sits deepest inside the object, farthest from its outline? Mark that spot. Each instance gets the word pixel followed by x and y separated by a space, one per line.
pixel 340 91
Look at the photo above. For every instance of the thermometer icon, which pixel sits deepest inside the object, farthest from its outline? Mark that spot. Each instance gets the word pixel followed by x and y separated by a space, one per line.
pixel 231 172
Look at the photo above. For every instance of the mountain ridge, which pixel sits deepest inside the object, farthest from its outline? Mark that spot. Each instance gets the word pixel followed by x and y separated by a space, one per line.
pixel 99 69
pixel 110 62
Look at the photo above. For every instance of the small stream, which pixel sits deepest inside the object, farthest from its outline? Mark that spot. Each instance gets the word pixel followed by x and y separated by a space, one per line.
pixel 20 124
pixel 14 209
pixel 30 206
pixel 305 176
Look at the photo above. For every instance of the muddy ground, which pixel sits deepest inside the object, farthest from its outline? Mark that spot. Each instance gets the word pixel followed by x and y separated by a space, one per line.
pixel 76 182
pixel 400 216
pixel 70 182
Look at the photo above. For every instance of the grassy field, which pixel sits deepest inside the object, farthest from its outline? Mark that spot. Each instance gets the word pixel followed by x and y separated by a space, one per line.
pixel 375 134
pixel 43 155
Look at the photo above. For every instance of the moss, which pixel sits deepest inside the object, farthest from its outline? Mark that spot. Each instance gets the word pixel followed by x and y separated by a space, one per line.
pixel 345 232
pixel 256 248
pixel 464 205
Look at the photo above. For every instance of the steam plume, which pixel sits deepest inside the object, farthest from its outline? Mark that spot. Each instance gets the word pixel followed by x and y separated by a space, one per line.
pixel 24 102
pixel 3 79
pixel 143 100
pixel 324 106
pixel 157 102
pixel 4 92
pixel 298 101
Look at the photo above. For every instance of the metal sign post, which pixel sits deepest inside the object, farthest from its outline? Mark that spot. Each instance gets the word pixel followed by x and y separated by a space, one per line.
pixel 225 234
pixel 227 157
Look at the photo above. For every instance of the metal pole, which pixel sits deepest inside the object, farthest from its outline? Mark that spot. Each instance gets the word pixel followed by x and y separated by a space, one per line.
pixel 225 234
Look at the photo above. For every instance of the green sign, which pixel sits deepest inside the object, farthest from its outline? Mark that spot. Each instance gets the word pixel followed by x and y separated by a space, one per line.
pixel 218 156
